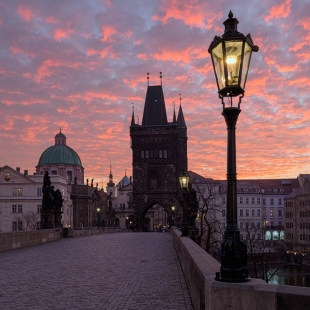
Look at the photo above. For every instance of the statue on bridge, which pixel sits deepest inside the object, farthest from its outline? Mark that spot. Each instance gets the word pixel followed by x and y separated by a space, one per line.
pixel 51 205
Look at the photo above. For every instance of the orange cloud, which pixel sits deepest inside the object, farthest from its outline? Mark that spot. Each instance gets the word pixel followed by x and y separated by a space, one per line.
pixel 62 34
pixel 278 11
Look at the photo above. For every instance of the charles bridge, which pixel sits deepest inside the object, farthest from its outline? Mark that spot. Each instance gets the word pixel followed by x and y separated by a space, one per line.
pixel 125 270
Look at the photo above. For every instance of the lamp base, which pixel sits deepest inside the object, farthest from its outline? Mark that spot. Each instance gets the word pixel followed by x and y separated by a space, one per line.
pixel 233 259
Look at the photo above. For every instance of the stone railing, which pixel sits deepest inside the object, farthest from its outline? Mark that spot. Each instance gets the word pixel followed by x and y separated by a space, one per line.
pixel 20 239
pixel 199 269
pixel 88 231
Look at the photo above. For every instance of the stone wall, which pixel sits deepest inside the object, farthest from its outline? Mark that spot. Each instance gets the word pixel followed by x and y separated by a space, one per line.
pixel 20 239
pixel 199 269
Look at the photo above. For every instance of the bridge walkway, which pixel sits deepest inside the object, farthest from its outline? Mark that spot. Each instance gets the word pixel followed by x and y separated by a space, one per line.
pixel 133 271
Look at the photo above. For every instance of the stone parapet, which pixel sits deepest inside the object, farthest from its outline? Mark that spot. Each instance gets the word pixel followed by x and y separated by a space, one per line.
pixel 20 239
pixel 199 269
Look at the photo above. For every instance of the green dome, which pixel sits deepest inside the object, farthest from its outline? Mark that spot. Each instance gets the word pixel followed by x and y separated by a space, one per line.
pixel 60 154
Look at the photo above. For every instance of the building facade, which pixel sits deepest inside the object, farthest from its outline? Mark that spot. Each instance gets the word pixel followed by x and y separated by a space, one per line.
pixel 21 200
pixel 297 221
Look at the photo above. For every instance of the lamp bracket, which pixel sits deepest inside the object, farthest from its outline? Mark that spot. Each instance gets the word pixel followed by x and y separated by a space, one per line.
pixel 230 101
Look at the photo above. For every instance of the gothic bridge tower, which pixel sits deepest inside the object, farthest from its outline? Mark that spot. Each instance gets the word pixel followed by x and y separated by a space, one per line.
pixel 159 154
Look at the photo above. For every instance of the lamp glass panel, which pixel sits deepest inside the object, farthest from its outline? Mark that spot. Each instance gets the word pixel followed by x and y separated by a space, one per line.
pixel 233 61
pixel 217 55
pixel 246 64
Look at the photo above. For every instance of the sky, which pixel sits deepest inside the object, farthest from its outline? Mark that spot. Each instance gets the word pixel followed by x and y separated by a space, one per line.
pixel 81 65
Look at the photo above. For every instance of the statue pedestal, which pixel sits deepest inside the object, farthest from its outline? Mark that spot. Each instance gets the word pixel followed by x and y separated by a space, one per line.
pixel 58 223
pixel 47 219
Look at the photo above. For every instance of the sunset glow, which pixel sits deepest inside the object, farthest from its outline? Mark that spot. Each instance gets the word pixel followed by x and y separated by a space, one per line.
pixel 80 65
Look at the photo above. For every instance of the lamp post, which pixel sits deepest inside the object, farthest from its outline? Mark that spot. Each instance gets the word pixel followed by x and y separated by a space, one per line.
pixel 231 56
pixel 172 215
pixel 98 217
pixel 184 180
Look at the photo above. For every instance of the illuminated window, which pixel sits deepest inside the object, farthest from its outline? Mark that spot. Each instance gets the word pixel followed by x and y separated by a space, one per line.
pixel 271 212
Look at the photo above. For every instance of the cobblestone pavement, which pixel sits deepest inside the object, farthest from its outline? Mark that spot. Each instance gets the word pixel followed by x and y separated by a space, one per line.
pixel 111 271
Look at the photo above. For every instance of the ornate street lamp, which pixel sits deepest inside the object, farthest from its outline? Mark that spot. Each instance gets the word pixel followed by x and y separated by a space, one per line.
pixel 231 56
pixel 98 217
pixel 172 216
pixel 184 180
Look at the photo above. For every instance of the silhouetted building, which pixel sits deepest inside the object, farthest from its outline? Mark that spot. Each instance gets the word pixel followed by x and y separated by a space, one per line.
pixel 159 153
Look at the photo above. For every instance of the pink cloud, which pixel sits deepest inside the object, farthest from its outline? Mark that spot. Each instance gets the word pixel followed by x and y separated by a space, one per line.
pixel 278 11
pixel 25 13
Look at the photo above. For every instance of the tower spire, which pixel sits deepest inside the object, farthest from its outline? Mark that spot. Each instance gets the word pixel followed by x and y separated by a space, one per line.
pixel 174 117
pixel 161 78
pixel 148 79
pixel 133 115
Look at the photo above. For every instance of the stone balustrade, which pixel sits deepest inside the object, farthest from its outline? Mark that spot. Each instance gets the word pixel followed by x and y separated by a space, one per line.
pixel 20 239
pixel 199 269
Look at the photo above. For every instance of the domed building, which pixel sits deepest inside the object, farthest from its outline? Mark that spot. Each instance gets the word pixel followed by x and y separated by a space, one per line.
pixel 60 159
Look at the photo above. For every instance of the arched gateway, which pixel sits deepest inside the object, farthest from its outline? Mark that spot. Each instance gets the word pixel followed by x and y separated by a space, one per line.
pixel 159 154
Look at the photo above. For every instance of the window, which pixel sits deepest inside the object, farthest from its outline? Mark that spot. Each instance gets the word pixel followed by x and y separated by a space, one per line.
pixel 20 192
pixel 160 153
pixel 241 199
pixel 165 154
pixel 20 225
pixel 142 154
pixel 14 191
pixel 247 200
pixel 264 201
pixel 271 212
pixel 147 154
pixel 258 224
pixel 280 201
pixel 241 224
pixel 271 201
pixel 247 213
pixel 253 200
pixel 258 200
pixel 253 212
pixel 14 208
pixel 14 228
pixel 223 224
pixel 54 172
pixel 241 212
pixel 39 191
pixel 223 199
pixel 223 212
pixel 69 176
pixel 20 208
pixel 258 212
pixel 280 212
pixel 39 208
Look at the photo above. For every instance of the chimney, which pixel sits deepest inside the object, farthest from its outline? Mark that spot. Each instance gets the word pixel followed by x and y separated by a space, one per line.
pixel 18 169
pixel 25 172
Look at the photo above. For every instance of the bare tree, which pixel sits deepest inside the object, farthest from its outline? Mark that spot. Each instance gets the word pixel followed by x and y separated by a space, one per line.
pixel 264 260
pixel 208 216
pixel 31 218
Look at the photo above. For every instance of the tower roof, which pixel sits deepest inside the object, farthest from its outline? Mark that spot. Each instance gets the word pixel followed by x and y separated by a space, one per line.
pixel 154 108
pixel 181 119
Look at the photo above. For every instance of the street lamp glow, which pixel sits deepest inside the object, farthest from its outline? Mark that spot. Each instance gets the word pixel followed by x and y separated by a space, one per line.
pixel 231 56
